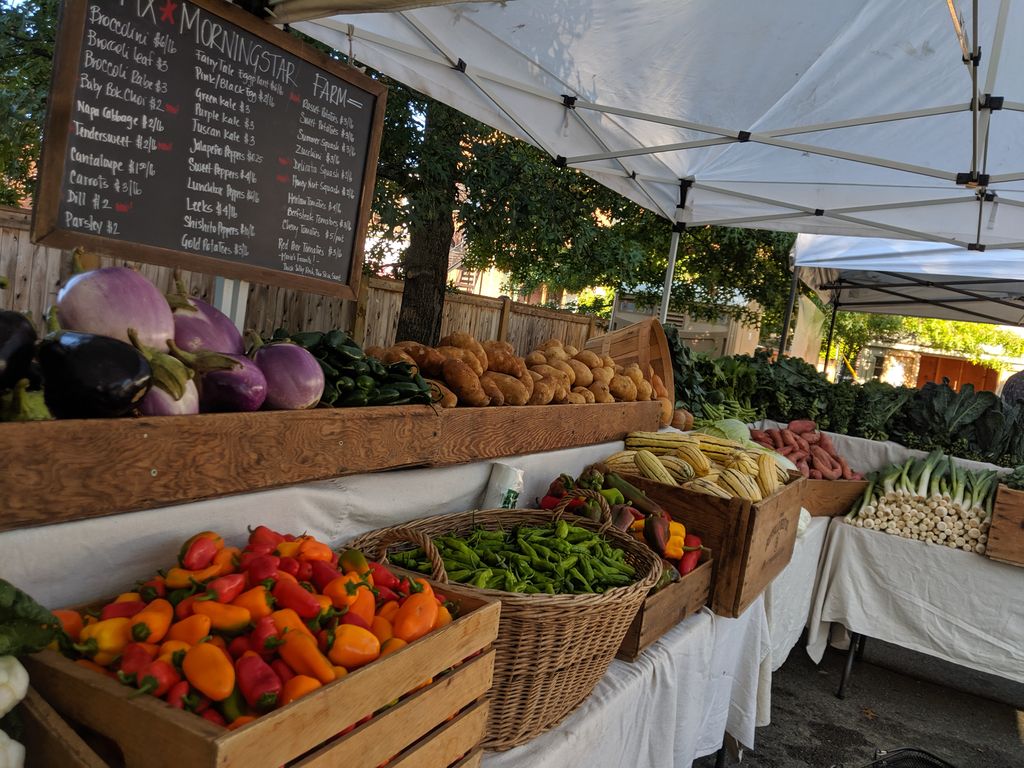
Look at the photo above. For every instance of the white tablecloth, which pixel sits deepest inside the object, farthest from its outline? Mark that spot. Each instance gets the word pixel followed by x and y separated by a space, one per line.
pixel 672 705
pixel 789 598
pixel 955 605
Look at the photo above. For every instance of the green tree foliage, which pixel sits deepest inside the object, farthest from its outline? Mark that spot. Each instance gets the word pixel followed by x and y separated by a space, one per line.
pixel 27 29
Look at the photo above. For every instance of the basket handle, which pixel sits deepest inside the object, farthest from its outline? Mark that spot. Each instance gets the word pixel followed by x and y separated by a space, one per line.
pixel 405 534
pixel 586 493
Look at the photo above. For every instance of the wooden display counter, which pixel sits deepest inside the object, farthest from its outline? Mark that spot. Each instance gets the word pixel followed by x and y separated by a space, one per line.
pixel 68 470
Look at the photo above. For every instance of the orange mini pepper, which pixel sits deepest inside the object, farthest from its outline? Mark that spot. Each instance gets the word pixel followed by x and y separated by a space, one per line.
pixel 152 622
pixel 191 630
pixel 256 601
pixel 230 619
pixel 226 561
pixel 339 672
pixel 392 645
pixel 288 548
pixel 325 602
pixel 88 664
pixel 209 671
pixel 173 651
pixel 416 617
pixel 344 589
pixel 297 686
pixel 71 622
pixel 288 620
pixel 238 722
pixel 353 646
pixel 311 549
pixel 364 605
pixel 300 652
pixel 444 618
pixel 180 578
pixel 388 610
pixel 381 628
pixel 128 597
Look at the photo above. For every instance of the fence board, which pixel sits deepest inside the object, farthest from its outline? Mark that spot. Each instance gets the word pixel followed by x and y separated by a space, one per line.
pixel 36 274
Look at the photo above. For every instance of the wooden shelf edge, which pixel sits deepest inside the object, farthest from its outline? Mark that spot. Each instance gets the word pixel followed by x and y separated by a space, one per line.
pixel 61 471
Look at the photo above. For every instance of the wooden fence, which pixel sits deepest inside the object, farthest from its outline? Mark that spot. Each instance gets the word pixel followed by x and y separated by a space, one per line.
pixel 36 274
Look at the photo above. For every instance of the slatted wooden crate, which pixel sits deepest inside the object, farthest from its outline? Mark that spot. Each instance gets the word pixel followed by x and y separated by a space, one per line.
pixel 751 542
pixel 439 725
pixel 1006 535
pixel 664 609
pixel 643 343
pixel 831 498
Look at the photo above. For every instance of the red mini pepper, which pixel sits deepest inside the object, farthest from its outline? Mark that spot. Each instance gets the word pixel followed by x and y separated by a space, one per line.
pixel 239 645
pixel 224 589
pixel 261 567
pixel 305 572
pixel 134 657
pixel 382 577
pixel 261 534
pixel 177 696
pixel 124 610
pixel 214 716
pixel 289 565
pixel 283 671
pixel 264 638
pixel 289 595
pixel 691 554
pixel 386 593
pixel 157 678
pixel 550 502
pixel 323 573
pixel 258 682
pixel 199 554
pixel 152 589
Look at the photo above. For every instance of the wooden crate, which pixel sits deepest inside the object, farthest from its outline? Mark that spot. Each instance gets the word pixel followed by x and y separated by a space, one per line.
pixel 1006 535
pixel 50 741
pixel 831 498
pixel 71 466
pixel 666 608
pixel 751 542
pixel 642 343
pixel 417 731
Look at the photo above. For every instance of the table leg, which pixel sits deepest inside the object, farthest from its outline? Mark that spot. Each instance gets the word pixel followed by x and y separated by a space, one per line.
pixel 855 639
pixel 860 647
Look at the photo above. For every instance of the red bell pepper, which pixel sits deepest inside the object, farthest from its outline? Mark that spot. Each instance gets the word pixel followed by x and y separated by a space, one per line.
pixel 289 565
pixel 198 554
pixel 157 678
pixel 291 595
pixel 382 577
pixel 284 672
pixel 260 685
pixel 125 610
pixel 134 657
pixel 225 589
pixel 323 573
pixel 264 638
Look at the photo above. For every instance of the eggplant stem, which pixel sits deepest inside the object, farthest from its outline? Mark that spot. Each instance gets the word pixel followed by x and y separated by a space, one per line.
pixel 254 339
pixel 52 322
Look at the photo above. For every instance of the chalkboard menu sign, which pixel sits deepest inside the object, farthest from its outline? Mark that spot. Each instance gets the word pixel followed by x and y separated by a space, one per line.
pixel 190 133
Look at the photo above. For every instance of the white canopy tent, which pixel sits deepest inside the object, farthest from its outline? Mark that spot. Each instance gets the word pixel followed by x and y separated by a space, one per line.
pixel 854 117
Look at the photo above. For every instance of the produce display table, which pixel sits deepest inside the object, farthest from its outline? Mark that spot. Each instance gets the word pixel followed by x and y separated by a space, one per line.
pixel 706 676
pixel 788 599
pixel 947 603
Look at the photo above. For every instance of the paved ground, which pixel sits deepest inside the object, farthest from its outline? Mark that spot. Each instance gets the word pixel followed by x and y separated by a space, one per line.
pixel 923 705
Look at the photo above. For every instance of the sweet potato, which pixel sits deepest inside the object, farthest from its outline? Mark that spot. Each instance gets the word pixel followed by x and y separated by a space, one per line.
pixel 623 389
pixel 799 426
pixel 500 357
pixel 374 351
pixel 682 419
pixel 776 437
pixel 644 391
pixel 543 392
pixel 536 358
pixel 396 355
pixel 844 468
pixel 608 361
pixel 759 436
pixel 493 391
pixel 633 371
pixel 826 444
pixel 551 343
pixel 786 451
pixel 667 411
pixel 815 474
pixel 467 341
pixel 659 386
pixel 570 350
pixel 601 392
pixel 527 381
pixel 535 375
pixel 802 466
pixel 549 370
pixel 811 438
pixel 574 398
pixel 584 376
pixel 565 368
pixel 589 359
pixel 603 375
pixel 804 445
pixel 441 395
pixel 512 391
pixel 788 438
pixel 429 360
pixel 465 383
pixel 555 353
pixel 458 353
pixel 585 393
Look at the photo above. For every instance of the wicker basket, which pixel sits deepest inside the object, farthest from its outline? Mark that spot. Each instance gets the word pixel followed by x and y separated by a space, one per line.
pixel 551 649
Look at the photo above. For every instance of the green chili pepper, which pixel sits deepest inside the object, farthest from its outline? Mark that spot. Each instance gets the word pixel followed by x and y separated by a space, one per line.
pixel 561 529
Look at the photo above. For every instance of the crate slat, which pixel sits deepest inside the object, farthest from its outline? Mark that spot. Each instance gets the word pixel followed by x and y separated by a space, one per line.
pixel 49 741
pixel 1006 534
pixel 831 498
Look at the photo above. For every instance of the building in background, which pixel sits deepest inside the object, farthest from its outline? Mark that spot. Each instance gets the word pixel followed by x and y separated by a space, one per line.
pixel 909 365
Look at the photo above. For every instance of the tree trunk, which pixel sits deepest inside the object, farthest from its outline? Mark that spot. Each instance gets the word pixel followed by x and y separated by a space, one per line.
pixel 431 226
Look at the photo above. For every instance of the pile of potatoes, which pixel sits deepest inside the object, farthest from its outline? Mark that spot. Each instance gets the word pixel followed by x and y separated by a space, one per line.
pixel 468 372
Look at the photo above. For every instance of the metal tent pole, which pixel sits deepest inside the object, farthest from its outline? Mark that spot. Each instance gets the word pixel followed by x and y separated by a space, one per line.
pixel 669 275
pixel 788 317
pixel 831 332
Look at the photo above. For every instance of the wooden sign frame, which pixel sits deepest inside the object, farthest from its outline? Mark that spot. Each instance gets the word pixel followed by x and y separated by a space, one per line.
pixel 45 223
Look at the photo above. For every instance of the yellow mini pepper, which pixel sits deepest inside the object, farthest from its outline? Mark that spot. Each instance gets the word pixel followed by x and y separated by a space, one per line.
pixel 103 641
pixel 674 547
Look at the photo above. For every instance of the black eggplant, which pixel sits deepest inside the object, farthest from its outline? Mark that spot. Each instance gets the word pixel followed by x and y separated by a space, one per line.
pixel 17 346
pixel 86 376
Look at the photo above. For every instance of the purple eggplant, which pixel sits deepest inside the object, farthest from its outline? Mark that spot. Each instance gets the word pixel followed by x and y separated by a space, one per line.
pixel 17 347
pixel 197 325
pixel 89 376
pixel 295 379
pixel 109 301
pixel 242 388
pixel 159 402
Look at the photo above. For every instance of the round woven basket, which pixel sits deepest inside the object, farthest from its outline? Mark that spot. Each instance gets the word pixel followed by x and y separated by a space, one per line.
pixel 551 650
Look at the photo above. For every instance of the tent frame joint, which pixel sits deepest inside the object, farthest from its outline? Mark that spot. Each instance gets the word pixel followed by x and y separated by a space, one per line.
pixel 972 179
pixel 569 102
pixel 679 226
pixel 460 65
pixel 743 136
pixel 991 103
